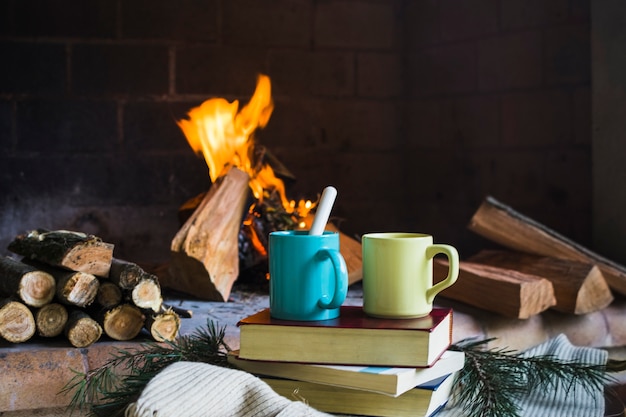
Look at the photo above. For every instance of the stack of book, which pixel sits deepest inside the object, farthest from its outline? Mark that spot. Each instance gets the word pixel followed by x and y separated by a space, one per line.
pixel 354 364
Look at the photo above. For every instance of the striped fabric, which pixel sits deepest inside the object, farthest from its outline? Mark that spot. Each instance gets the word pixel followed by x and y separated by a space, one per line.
pixel 560 401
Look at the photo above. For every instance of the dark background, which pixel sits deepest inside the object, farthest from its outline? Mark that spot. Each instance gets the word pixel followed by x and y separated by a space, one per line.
pixel 415 110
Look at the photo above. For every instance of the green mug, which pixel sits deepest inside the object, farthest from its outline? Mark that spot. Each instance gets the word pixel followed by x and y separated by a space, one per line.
pixel 398 274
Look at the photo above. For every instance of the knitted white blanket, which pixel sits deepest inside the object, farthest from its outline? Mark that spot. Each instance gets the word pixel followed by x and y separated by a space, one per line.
pixel 192 389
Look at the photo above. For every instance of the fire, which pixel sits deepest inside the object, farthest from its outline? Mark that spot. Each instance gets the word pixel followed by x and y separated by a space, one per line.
pixel 224 136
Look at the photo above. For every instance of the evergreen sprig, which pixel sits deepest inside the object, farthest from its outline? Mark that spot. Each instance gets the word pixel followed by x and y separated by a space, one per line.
pixel 109 389
pixel 494 381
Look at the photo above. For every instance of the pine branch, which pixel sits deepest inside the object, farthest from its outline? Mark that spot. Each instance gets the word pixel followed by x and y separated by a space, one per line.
pixel 107 390
pixel 492 382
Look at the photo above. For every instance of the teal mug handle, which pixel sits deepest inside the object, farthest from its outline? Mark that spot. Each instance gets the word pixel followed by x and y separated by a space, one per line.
pixel 341 278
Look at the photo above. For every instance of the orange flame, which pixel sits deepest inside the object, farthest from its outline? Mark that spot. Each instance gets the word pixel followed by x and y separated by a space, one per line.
pixel 224 136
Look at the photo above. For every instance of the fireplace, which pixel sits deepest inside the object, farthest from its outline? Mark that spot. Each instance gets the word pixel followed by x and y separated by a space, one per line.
pixel 413 110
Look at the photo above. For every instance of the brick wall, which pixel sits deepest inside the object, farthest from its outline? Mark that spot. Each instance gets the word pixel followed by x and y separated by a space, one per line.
pixel 414 109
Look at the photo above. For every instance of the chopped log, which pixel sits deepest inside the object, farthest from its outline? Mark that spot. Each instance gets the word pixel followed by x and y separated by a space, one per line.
pixel 579 288
pixel 163 326
pixel 70 250
pixel 502 224
pixel 17 323
pixel 81 329
pixel 109 295
pixel 147 293
pixel 144 288
pixel 123 322
pixel 51 319
pixel 125 274
pixel 33 286
pixel 205 251
pixel 507 292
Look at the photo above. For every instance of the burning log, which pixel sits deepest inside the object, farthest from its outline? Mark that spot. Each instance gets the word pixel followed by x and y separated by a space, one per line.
pixel 504 291
pixel 205 253
pixel 163 326
pixel 70 250
pixel 123 322
pixel 17 323
pixel 579 288
pixel 81 330
pixel 51 319
pixel 33 286
pixel 500 223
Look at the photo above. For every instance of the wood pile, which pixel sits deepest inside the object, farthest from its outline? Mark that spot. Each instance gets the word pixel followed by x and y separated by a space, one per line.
pixel 538 269
pixel 68 283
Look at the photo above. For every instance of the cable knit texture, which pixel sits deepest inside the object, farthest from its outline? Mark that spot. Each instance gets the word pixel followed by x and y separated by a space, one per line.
pixel 192 389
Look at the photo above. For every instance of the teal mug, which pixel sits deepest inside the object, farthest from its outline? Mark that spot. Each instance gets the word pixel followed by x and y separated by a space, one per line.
pixel 308 275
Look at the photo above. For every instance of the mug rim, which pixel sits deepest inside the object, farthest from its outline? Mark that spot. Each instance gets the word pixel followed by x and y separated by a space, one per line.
pixel 300 233
pixel 396 235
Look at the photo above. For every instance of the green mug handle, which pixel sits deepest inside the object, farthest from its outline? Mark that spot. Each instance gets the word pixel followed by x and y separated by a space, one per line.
pixel 453 269
pixel 341 279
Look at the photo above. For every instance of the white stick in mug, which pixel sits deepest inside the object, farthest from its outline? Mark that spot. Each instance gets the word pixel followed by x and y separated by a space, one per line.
pixel 323 210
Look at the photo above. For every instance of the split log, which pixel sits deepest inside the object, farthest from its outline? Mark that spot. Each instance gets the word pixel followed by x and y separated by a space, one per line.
pixel 33 286
pixel 70 250
pixel 123 322
pixel 507 292
pixel 51 319
pixel 17 323
pixel 502 224
pixel 205 251
pixel 163 326
pixel 579 288
pixel 76 288
pixel 109 295
pixel 81 329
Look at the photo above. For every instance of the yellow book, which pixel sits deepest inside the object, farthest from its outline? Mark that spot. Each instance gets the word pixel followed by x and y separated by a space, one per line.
pixel 392 381
pixel 421 401
pixel 352 339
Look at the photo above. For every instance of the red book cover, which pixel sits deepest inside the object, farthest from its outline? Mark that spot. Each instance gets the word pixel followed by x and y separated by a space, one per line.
pixel 355 317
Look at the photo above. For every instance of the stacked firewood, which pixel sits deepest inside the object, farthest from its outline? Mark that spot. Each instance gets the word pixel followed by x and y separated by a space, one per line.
pixel 68 283
pixel 535 269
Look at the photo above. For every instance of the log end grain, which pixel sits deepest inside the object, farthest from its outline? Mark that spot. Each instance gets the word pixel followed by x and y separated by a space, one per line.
pixel 123 322
pixel 51 320
pixel 17 323
pixel 81 330
pixel 164 327
pixel 37 288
